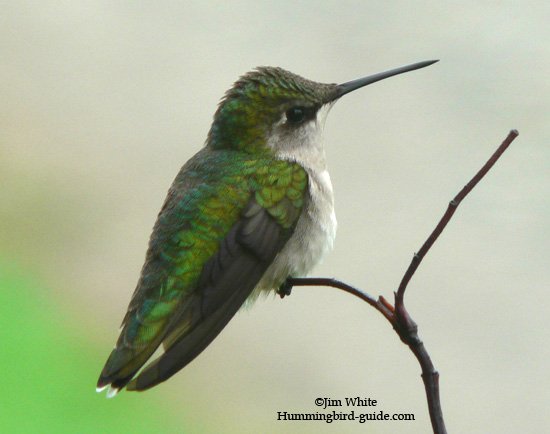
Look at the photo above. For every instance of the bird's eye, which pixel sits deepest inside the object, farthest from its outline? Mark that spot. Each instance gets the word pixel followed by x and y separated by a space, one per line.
pixel 295 115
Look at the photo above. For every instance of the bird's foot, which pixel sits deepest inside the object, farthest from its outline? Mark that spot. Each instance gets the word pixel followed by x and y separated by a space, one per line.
pixel 285 289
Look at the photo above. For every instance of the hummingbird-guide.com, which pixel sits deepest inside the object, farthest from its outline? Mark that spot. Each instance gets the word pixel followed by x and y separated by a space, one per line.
pixel 252 208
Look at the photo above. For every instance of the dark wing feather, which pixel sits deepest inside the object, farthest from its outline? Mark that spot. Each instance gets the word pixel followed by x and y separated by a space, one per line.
pixel 227 280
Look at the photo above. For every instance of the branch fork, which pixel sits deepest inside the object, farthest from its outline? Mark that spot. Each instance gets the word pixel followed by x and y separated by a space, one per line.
pixel 397 314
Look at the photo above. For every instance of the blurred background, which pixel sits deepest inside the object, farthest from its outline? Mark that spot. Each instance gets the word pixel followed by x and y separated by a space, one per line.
pixel 102 102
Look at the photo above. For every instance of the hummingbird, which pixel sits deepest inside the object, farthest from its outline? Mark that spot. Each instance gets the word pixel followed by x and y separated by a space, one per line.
pixel 252 208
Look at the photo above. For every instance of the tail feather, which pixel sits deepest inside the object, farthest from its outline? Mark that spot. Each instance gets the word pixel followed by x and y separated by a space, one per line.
pixel 190 345
pixel 122 366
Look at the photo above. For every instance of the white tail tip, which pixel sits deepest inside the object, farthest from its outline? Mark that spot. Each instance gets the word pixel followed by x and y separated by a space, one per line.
pixel 112 391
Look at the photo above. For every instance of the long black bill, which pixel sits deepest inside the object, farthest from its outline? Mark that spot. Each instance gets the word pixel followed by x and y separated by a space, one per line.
pixel 350 86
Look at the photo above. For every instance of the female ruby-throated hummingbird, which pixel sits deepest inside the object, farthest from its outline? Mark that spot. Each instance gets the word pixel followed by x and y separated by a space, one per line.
pixel 252 208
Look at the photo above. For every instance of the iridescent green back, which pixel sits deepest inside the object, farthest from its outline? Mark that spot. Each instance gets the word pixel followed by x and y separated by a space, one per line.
pixel 206 200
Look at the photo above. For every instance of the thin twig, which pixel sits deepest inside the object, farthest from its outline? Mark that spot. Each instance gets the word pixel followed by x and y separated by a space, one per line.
pixel 384 309
pixel 453 205
pixel 399 318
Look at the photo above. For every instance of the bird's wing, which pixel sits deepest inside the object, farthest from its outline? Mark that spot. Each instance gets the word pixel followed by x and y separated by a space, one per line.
pixel 223 223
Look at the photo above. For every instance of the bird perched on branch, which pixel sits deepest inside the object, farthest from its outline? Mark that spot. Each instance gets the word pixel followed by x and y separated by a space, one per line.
pixel 252 208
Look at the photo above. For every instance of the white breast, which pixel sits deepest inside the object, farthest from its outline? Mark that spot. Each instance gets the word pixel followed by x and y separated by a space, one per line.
pixel 316 229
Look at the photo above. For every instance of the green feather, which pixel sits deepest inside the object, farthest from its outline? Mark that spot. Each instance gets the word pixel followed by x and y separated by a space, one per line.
pixel 207 198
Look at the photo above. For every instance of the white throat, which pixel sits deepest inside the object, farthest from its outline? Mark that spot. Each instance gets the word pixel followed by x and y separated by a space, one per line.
pixel 304 144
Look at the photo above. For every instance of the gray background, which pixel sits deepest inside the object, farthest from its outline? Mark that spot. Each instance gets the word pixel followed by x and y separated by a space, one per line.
pixel 101 103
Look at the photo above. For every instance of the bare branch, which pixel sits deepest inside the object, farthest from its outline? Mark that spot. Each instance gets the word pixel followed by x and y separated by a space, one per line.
pixel 383 307
pixel 399 317
pixel 453 205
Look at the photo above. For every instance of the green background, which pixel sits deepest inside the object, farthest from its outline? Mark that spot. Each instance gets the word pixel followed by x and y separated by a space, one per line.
pixel 49 360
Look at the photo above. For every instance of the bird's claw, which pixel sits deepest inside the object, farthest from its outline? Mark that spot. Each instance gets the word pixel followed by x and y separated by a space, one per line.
pixel 285 289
